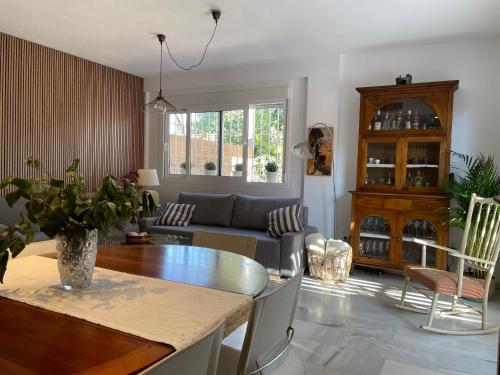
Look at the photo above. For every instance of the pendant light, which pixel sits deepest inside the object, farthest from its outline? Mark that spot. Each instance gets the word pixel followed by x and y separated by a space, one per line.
pixel 160 105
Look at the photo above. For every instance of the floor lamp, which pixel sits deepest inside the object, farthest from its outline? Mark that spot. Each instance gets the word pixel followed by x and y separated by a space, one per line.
pixel 304 151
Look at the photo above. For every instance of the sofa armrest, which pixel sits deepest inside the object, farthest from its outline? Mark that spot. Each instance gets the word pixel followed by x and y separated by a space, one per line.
pixel 145 222
pixel 292 255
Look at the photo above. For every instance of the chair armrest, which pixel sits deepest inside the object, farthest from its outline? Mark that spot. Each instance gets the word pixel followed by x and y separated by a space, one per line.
pixel 292 253
pixel 474 259
pixel 145 222
pixel 427 243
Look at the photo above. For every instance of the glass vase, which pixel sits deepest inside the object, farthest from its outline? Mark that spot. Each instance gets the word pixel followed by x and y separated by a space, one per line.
pixel 76 259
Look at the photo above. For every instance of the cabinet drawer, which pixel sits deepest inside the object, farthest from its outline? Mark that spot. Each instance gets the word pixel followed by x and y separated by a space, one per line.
pixel 398 204
pixel 428 205
pixel 369 202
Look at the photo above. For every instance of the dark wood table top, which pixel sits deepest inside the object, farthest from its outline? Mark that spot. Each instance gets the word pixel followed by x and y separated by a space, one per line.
pixel 40 341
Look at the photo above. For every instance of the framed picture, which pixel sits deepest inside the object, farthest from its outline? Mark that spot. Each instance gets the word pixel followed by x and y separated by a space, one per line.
pixel 321 142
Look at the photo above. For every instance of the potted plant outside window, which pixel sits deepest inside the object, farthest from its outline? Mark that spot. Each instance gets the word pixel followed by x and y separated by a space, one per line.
pixel 238 170
pixel 210 168
pixel 64 211
pixel 183 167
pixel 271 171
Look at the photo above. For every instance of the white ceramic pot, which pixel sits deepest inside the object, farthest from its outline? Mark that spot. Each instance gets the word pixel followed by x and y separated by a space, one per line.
pixel 237 173
pixel 183 171
pixel 210 172
pixel 271 176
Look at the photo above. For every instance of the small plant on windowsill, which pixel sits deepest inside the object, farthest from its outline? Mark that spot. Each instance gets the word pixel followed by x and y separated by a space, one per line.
pixel 238 170
pixel 210 168
pixel 271 171
pixel 183 167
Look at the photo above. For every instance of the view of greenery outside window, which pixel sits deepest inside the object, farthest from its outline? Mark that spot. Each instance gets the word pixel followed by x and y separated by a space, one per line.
pixel 266 141
pixel 217 139
pixel 176 141
pixel 233 123
pixel 204 141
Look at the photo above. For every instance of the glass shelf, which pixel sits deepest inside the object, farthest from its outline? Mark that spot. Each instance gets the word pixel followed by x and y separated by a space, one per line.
pixel 411 252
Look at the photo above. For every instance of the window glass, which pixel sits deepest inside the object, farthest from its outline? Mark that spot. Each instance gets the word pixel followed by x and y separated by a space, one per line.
pixel 266 143
pixel 233 123
pixel 176 143
pixel 204 144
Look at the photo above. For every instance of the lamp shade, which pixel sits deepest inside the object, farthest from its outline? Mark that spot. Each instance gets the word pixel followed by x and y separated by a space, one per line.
pixel 148 177
pixel 303 150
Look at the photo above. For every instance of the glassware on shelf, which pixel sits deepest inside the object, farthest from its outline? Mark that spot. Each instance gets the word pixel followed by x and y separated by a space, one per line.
pixel 415 125
pixel 387 122
pixel 419 180
pixel 389 181
pixel 409 179
pixel 378 121
pixel 408 121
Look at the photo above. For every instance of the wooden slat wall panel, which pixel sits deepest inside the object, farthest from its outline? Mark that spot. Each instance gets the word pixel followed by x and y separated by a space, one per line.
pixel 58 107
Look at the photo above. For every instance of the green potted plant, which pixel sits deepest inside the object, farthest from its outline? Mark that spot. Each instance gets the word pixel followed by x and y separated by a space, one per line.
pixel 477 175
pixel 271 171
pixel 210 168
pixel 183 167
pixel 64 211
pixel 238 170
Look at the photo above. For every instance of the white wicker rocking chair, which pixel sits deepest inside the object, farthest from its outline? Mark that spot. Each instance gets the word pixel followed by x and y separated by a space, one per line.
pixel 479 250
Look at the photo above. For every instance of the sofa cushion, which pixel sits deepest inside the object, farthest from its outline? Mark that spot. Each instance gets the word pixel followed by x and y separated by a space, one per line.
pixel 176 214
pixel 268 249
pixel 284 220
pixel 211 209
pixel 251 212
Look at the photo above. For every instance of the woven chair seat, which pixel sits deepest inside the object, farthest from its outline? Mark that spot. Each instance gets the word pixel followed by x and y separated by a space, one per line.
pixel 444 282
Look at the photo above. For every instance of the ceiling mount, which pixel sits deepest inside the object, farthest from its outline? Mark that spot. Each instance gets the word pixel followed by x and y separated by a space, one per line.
pixel 215 14
pixel 161 37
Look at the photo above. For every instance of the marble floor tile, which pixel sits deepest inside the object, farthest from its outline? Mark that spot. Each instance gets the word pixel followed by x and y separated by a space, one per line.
pixel 354 328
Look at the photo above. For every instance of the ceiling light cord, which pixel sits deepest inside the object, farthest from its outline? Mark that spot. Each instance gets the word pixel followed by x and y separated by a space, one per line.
pixel 202 57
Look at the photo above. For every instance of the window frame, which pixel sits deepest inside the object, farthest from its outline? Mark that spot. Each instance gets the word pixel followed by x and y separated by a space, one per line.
pixel 219 178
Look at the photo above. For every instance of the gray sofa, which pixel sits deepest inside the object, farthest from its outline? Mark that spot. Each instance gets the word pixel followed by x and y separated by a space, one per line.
pixel 245 216
pixel 11 216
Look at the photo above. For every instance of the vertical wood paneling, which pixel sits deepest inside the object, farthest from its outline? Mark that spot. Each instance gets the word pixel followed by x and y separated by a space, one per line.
pixel 58 107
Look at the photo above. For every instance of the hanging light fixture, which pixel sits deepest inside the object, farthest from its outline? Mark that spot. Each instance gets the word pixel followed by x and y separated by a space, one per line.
pixel 160 105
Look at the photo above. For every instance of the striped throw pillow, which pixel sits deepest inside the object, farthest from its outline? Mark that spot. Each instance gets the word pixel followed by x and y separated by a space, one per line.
pixel 176 214
pixel 283 220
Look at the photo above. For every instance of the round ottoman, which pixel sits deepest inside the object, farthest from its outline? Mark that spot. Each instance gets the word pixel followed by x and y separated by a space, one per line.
pixel 329 260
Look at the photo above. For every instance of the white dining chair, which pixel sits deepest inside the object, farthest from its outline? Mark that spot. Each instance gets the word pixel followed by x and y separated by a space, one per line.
pixel 267 348
pixel 198 359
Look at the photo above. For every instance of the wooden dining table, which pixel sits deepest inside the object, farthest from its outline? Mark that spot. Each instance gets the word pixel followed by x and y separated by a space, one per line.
pixel 38 341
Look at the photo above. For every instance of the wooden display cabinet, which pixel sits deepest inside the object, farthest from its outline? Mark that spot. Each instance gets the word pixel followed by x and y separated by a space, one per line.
pixel 403 166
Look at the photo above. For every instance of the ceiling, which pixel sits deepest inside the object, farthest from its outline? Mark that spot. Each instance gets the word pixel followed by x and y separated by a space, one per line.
pixel 121 33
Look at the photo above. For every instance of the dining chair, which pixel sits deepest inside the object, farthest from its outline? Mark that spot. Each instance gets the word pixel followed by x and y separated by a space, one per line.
pixel 267 348
pixel 198 359
pixel 479 251
pixel 241 245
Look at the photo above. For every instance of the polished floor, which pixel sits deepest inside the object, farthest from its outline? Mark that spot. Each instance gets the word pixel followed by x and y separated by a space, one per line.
pixel 354 329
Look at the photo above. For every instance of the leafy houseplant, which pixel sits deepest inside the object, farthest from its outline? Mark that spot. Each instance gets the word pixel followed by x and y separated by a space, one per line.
pixel 210 168
pixel 478 175
pixel 271 171
pixel 65 211
pixel 271 166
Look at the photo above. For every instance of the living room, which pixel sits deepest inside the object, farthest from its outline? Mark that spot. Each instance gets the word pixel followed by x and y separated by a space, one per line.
pixel 246 90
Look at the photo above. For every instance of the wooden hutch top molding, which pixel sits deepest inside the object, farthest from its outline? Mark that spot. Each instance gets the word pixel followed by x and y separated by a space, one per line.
pixel 402 88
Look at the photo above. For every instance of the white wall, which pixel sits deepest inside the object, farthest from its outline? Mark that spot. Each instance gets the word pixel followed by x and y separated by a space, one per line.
pixel 313 98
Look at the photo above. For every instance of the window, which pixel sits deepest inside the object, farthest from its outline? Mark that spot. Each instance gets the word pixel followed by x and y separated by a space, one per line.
pixel 236 142
pixel 265 142
pixel 204 142
pixel 177 141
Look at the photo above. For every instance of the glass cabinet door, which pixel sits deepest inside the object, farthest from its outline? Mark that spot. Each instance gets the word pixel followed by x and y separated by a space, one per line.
pixel 423 164
pixel 404 115
pixel 375 237
pixel 411 252
pixel 380 164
